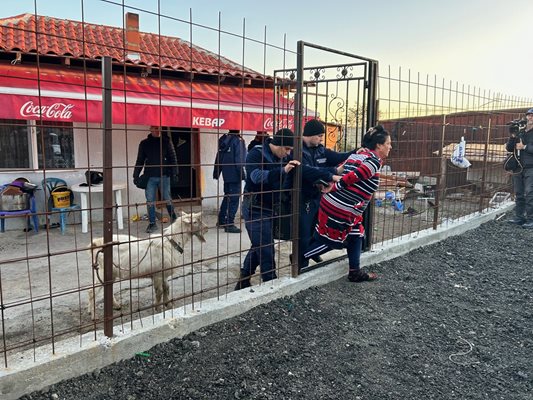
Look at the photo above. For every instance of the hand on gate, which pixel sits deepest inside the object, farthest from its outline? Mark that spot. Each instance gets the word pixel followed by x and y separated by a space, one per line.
pixel 291 165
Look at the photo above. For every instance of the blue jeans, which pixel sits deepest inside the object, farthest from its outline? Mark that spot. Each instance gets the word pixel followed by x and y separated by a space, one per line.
pixel 354 245
pixel 153 184
pixel 258 224
pixel 230 203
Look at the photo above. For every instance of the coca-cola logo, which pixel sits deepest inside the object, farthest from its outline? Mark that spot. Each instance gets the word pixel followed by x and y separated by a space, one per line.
pixel 53 111
pixel 281 123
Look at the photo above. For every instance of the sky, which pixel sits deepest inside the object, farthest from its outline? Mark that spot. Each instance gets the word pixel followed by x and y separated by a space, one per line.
pixel 483 43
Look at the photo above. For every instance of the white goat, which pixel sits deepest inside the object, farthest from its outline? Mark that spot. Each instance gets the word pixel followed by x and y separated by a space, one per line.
pixel 151 258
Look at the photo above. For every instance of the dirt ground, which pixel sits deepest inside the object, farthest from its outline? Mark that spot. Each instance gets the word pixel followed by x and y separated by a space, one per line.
pixel 450 321
pixel 61 264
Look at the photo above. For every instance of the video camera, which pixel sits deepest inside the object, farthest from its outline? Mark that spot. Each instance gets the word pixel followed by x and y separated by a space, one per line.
pixel 516 126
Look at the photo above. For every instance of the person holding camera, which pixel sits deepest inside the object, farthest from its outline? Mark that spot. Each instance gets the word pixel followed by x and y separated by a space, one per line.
pixel 521 144
pixel 157 156
pixel 267 166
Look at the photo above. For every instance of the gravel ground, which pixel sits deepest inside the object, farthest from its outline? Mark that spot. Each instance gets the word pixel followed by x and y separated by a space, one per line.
pixel 452 320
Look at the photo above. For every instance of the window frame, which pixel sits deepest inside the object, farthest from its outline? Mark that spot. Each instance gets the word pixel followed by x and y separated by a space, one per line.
pixel 33 156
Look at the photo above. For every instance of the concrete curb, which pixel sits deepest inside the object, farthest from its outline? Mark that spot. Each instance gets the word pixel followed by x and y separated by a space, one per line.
pixel 36 371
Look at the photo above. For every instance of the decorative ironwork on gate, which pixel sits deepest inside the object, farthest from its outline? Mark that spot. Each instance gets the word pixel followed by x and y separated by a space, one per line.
pixel 341 94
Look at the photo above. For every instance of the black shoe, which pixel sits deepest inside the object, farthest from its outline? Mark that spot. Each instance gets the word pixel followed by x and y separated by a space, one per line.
pixel 317 259
pixel 232 229
pixel 151 228
pixel 362 276
pixel 516 221
pixel 244 282
pixel 528 225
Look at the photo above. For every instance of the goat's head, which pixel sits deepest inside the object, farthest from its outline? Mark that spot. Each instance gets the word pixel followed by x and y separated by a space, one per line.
pixel 190 225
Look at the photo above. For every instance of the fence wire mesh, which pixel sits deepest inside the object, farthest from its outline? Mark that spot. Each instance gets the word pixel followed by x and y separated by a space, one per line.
pixel 193 83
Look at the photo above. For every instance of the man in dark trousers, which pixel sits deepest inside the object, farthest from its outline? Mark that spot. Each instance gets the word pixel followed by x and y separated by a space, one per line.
pixel 158 158
pixel 267 167
pixel 318 164
pixel 229 162
pixel 521 143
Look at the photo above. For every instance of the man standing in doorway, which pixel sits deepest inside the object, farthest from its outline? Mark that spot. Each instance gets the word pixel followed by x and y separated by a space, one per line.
pixel 158 158
pixel 229 162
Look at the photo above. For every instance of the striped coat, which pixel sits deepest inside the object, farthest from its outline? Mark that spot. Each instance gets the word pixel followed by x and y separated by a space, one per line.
pixel 341 210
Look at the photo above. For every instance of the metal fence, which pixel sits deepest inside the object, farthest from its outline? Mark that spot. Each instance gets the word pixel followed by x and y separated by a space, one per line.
pixel 427 118
pixel 54 124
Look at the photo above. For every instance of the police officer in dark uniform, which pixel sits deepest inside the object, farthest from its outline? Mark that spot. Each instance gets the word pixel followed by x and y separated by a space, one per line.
pixel 229 162
pixel 267 167
pixel 318 164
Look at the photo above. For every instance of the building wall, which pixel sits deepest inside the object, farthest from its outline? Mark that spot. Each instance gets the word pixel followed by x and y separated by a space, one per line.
pixel 88 143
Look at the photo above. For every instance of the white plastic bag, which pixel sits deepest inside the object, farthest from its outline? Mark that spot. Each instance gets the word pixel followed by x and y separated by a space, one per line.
pixel 458 156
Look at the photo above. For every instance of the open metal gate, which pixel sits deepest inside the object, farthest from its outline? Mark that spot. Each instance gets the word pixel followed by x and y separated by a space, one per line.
pixel 343 95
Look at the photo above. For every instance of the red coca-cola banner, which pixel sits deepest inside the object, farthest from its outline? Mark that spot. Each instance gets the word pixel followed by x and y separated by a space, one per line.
pixel 74 96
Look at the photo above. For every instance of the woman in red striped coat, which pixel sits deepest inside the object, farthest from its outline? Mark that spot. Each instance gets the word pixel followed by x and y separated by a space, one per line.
pixel 342 206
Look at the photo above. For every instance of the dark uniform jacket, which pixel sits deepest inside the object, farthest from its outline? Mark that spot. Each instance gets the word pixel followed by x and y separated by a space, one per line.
pixel 264 177
pixel 318 163
pixel 230 159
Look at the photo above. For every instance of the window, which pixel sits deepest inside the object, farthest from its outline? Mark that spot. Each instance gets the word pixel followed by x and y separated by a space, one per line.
pixel 36 144
pixel 57 141
pixel 14 144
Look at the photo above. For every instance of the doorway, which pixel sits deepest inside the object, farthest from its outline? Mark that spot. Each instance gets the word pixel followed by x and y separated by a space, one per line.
pixel 185 141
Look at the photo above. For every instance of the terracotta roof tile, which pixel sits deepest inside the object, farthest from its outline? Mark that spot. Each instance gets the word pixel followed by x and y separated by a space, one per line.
pixel 46 35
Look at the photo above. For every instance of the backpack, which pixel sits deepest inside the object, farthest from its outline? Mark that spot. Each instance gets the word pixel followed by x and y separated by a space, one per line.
pixel 512 164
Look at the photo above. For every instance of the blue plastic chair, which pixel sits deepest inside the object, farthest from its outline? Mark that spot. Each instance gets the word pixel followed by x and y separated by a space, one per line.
pixel 32 211
pixel 50 184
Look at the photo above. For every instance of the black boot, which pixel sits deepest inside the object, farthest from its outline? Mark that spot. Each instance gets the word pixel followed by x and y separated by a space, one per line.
pixel 360 276
pixel 517 221
pixel 171 213
pixel 244 282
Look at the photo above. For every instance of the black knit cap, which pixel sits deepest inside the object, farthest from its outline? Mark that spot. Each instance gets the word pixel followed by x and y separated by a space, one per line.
pixel 284 137
pixel 313 127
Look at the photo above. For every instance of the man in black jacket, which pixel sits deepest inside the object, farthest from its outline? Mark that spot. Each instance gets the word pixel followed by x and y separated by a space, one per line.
pixel 522 144
pixel 158 158
pixel 258 139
